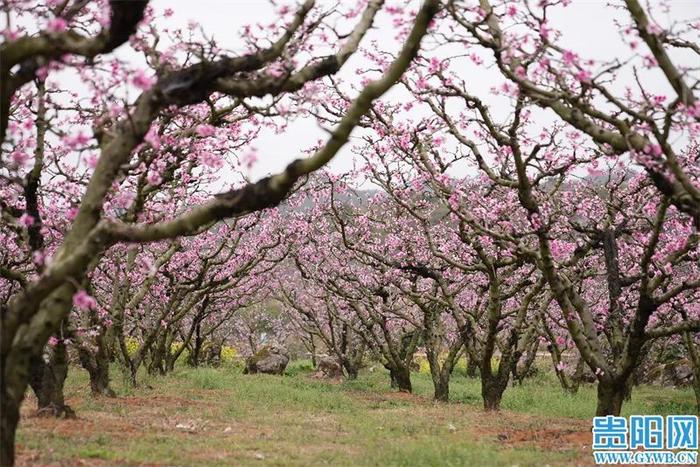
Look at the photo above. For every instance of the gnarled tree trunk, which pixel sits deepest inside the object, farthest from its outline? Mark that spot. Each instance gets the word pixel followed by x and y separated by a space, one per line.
pixel 611 395
pixel 47 379
pixel 401 378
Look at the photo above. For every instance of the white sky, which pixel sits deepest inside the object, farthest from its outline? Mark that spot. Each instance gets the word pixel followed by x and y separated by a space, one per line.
pixel 587 25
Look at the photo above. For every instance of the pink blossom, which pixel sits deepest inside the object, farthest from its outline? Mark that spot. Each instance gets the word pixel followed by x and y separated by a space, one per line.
pixel 10 34
pixel 654 29
pixel 56 25
pixel 83 301
pixel 205 130
pixel 210 159
pixel 654 150
pixel 569 57
pixel 650 61
pixel 71 213
pixel 435 65
pixel 53 341
pixel 475 59
pixel 584 76
pixel 250 159
pixel 26 220
pixel 19 157
pixel 276 70
pixel 38 257
pixel 42 72
pixel 153 138
pixel 142 81
pixel 693 110
pixel 91 160
pixel 153 178
pixel 659 100
pixel 594 171
pixel 76 140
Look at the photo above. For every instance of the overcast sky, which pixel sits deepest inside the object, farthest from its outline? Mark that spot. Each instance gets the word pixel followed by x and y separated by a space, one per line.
pixel 587 25
pixel 588 28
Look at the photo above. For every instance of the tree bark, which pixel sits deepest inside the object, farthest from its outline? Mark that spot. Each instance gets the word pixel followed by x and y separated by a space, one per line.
pixel 194 355
pixel 350 368
pixel 472 368
pixel 611 395
pixel 47 380
pixel 493 386
pixel 158 354
pixel 97 366
pixel 528 359
pixel 9 418
pixel 441 386
pixel 98 369
pixel 401 379
pixel 492 392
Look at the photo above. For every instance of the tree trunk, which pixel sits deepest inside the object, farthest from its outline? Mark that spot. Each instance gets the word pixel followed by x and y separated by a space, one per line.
pixel 99 378
pixel 97 367
pixel 492 393
pixel 350 369
pixel 440 375
pixel 99 381
pixel 156 366
pixel 610 398
pixel 528 359
pixel 472 368
pixel 696 379
pixel 194 355
pixel 212 354
pixel 133 372
pixel 311 347
pixel 494 384
pixel 577 377
pixel 9 418
pixel 694 359
pixel 401 379
pixel 441 388
pixel 492 401
pixel 47 380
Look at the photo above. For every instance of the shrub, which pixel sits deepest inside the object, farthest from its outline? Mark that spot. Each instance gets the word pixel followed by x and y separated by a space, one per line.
pixel 132 346
pixel 229 355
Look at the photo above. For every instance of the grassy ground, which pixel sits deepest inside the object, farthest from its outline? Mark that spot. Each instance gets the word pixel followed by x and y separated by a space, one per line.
pixel 213 417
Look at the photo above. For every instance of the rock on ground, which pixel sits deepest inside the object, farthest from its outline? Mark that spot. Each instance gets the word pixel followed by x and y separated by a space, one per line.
pixel 328 367
pixel 271 360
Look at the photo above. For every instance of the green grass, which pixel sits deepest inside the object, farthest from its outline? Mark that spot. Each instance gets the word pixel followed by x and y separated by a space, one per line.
pixel 297 420
pixel 542 395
